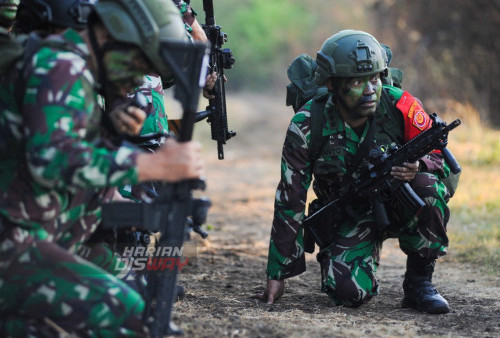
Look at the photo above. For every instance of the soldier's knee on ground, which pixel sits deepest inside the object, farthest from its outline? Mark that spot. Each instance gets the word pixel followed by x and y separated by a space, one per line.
pixel 347 294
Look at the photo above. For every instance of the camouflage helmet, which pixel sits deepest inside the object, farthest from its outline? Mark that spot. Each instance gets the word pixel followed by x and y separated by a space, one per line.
pixel 350 53
pixel 148 24
pixel 46 14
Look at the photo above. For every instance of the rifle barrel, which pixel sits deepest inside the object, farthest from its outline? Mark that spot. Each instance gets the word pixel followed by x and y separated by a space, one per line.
pixel 208 8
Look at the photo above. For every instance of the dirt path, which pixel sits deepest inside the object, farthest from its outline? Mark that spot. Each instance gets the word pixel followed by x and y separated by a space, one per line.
pixel 231 262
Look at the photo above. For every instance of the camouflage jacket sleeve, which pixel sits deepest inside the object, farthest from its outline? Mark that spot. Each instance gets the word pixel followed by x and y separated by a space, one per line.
pixel 416 120
pixel 188 14
pixel 62 123
pixel 286 254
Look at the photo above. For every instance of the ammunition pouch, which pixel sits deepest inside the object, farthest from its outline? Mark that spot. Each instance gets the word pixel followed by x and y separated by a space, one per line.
pixel 309 241
pixel 322 232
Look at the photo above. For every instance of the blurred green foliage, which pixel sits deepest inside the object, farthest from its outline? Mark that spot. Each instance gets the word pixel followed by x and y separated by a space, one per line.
pixel 265 36
pixel 261 34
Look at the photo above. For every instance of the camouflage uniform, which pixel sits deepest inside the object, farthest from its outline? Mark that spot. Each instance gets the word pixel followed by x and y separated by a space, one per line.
pixel 51 188
pixel 348 265
pixel 156 122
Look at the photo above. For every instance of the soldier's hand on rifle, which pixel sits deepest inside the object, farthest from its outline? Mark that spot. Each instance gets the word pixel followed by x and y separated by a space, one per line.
pixel 127 120
pixel 209 85
pixel 274 290
pixel 407 172
pixel 172 162
pixel 198 33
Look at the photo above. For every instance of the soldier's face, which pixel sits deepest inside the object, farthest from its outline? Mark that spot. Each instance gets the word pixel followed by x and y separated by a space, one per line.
pixel 360 95
pixel 125 69
pixel 8 9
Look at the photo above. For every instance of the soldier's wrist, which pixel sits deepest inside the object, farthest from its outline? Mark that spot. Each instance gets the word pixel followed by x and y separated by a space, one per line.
pixel 421 166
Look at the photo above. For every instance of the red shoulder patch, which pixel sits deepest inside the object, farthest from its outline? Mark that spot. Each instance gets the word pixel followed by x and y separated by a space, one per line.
pixel 416 119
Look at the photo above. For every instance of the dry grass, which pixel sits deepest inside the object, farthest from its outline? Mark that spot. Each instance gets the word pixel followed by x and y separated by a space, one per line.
pixel 473 228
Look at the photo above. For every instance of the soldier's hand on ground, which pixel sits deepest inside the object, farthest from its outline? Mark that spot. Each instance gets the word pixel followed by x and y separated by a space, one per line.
pixel 128 120
pixel 274 290
pixel 174 161
pixel 407 172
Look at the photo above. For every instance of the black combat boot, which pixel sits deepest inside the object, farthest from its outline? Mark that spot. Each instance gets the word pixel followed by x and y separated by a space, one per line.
pixel 419 293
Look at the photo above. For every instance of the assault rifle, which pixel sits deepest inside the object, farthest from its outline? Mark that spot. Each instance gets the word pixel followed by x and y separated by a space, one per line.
pixel 378 185
pixel 220 59
pixel 168 212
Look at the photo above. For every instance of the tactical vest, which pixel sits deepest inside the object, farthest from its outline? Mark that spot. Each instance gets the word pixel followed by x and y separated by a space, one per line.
pixel 328 155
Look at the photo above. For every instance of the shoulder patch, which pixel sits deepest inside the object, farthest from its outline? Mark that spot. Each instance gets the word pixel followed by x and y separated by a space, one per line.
pixel 416 119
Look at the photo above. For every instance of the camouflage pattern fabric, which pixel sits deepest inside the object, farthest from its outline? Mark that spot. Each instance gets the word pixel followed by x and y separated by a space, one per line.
pixel 39 280
pixel 157 119
pixel 349 265
pixel 188 14
pixel 64 161
pixel 156 122
pixel 51 188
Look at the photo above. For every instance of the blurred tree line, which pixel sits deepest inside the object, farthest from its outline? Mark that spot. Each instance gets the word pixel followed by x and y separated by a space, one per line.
pixel 265 36
pixel 446 48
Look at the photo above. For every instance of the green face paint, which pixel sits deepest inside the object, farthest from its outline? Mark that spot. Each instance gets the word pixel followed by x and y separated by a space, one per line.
pixel 360 95
pixel 125 69
pixel 8 9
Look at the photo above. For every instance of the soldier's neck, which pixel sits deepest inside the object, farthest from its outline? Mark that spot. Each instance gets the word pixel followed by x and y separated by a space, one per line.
pixel 102 36
pixel 353 122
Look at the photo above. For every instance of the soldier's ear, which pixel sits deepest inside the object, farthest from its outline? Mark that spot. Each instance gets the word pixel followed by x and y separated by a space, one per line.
pixel 332 84
pixel 102 33
pixel 329 84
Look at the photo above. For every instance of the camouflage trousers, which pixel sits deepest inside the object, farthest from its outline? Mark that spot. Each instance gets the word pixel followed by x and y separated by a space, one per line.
pixel 349 265
pixel 44 286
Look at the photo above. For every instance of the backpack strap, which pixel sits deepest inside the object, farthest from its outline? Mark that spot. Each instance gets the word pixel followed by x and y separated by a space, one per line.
pixel 387 101
pixel 317 121
pixel 31 46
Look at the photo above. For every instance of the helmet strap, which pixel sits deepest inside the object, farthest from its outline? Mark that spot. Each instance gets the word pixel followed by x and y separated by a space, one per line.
pixel 99 54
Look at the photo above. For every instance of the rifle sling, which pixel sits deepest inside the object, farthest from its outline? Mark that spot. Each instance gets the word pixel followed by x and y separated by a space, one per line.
pixel 364 148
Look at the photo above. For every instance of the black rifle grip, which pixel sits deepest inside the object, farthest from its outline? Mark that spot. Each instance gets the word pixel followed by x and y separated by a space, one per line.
pixel 380 214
